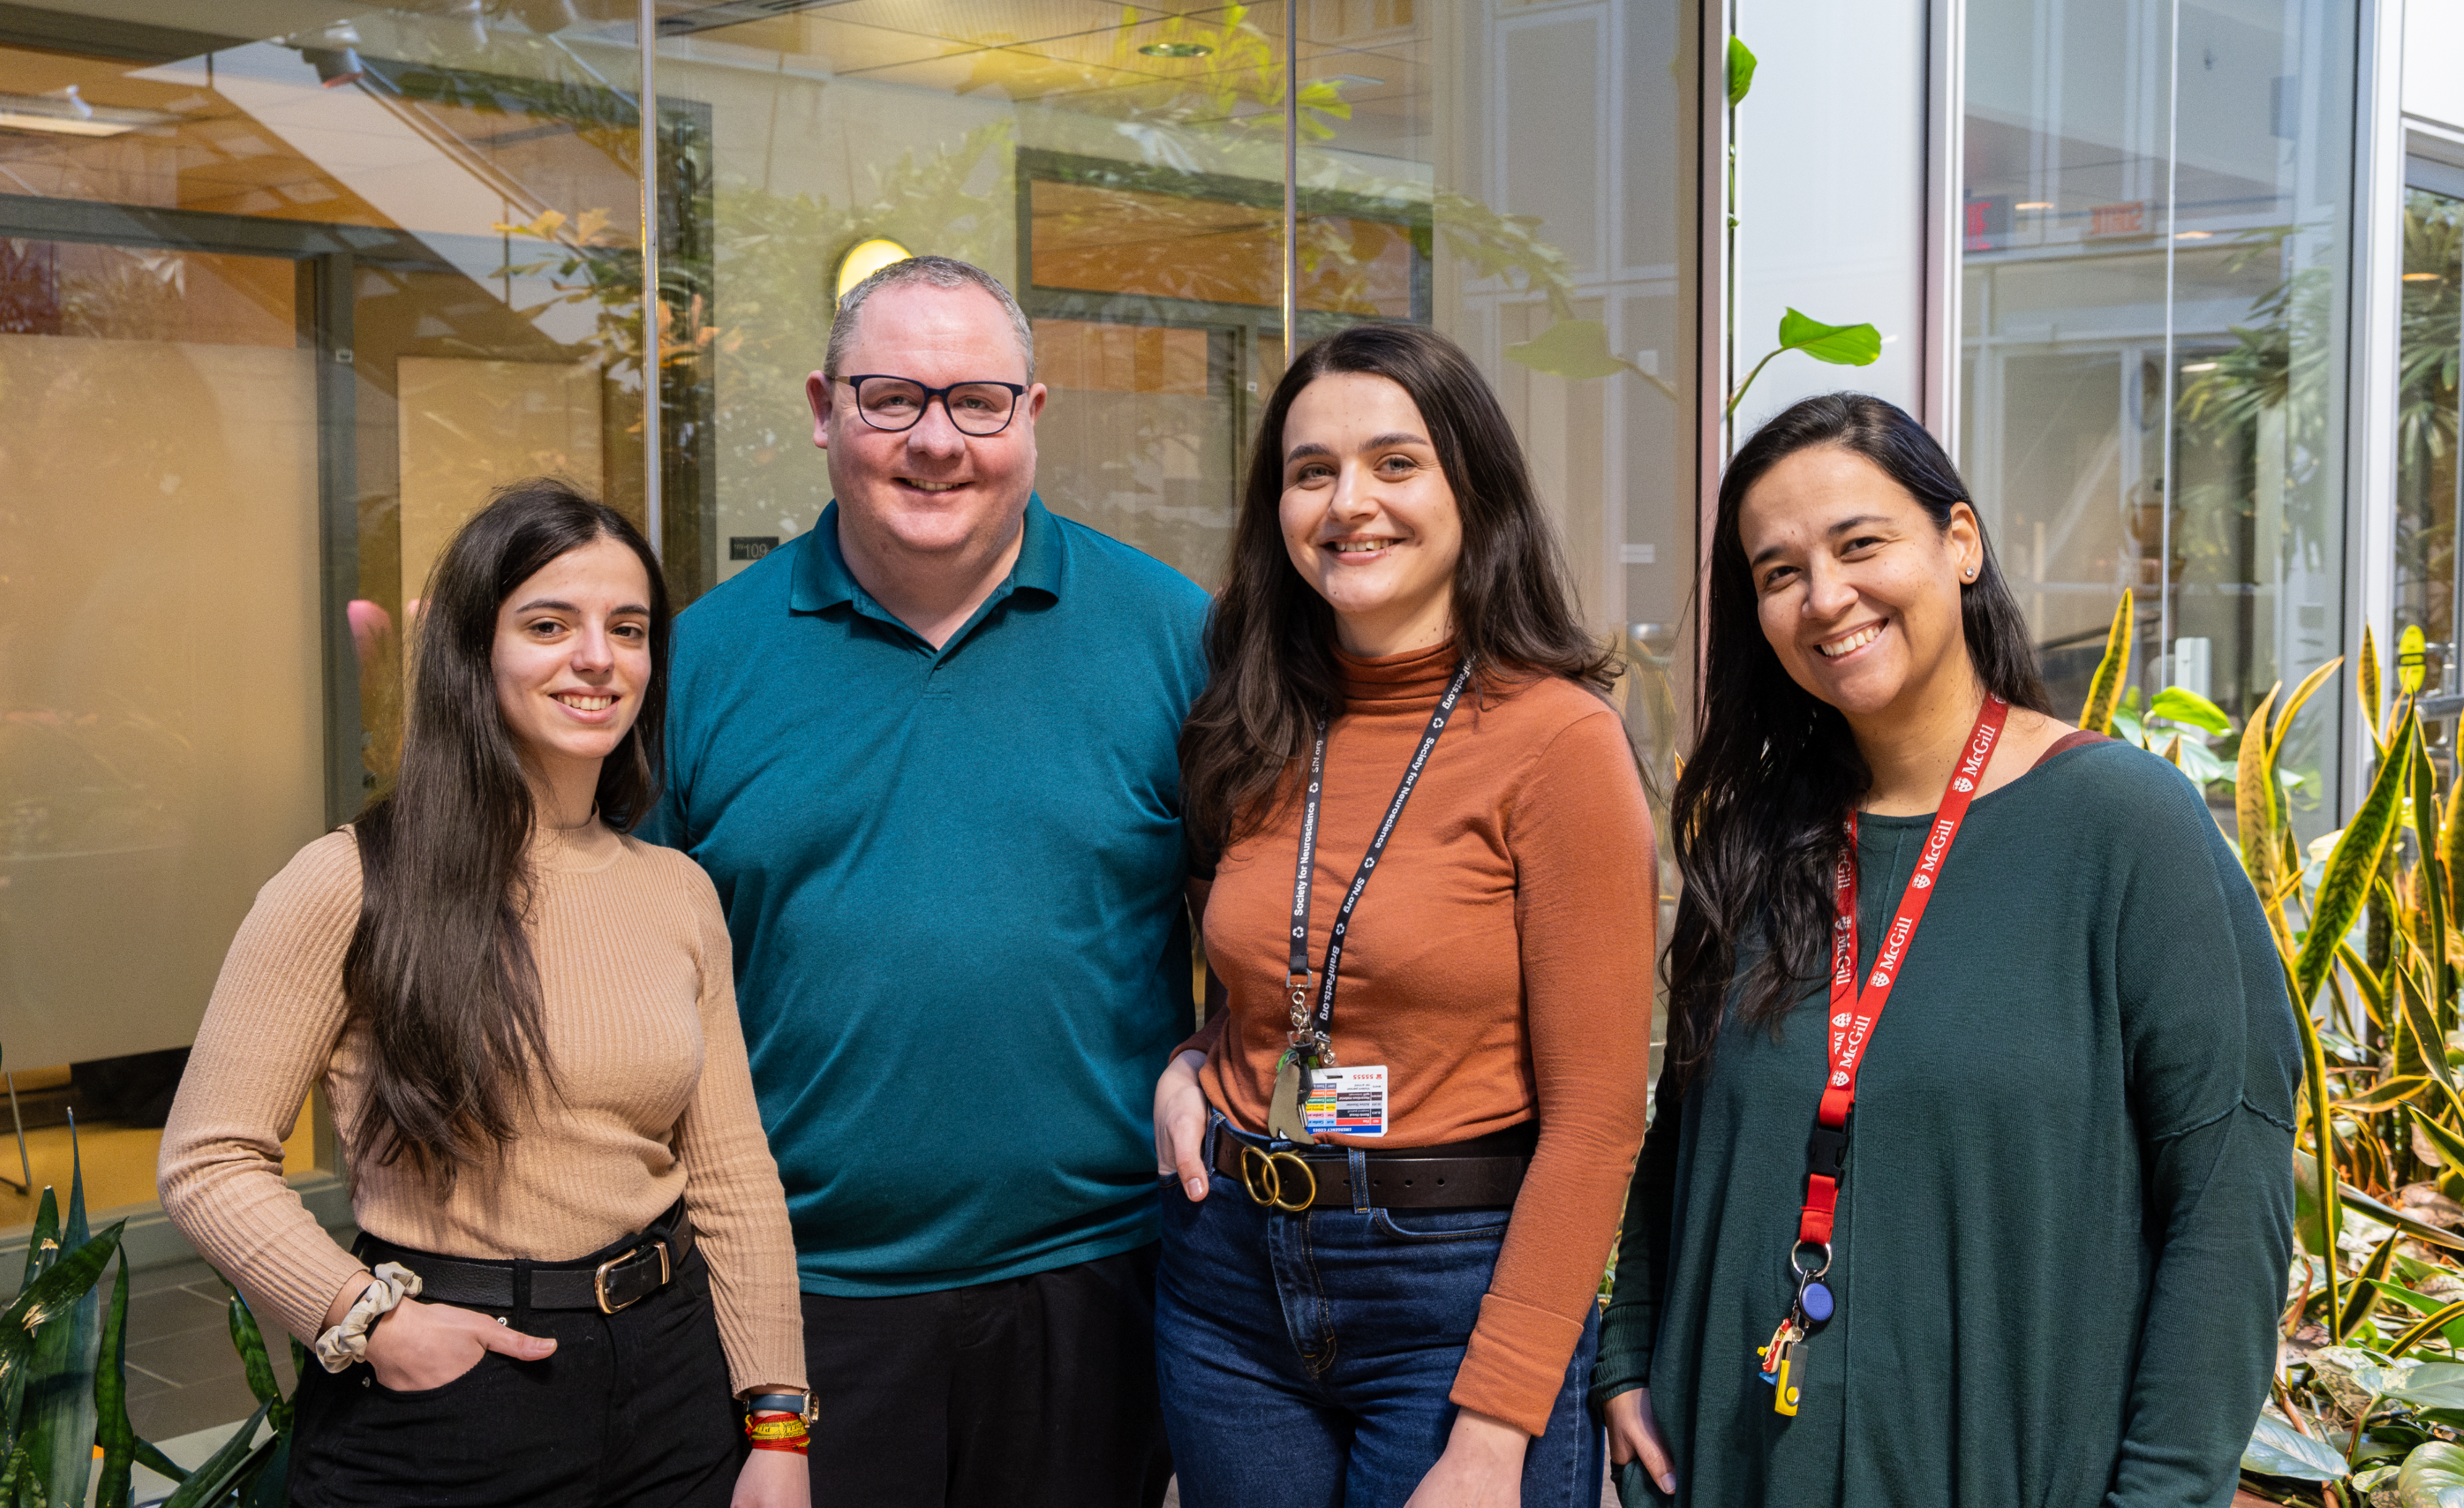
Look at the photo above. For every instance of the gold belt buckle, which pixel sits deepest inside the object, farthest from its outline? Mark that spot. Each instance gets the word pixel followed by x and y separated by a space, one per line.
pixel 1269 1171
pixel 599 1278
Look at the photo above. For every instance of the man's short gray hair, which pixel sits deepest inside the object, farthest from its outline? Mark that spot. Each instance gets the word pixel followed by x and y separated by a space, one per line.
pixel 936 271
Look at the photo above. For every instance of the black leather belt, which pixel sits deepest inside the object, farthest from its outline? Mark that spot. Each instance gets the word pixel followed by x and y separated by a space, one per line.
pixel 613 1278
pixel 1465 1175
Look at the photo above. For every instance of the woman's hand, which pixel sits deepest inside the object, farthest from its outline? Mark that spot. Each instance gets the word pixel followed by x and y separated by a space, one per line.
pixel 418 1346
pixel 1181 1124
pixel 1635 1434
pixel 773 1479
pixel 1482 1466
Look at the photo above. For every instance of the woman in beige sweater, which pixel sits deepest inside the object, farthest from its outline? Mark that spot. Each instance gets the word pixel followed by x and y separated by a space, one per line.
pixel 576 1257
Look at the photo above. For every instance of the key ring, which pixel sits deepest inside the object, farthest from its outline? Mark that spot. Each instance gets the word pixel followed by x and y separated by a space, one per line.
pixel 1270 1174
pixel 1796 1265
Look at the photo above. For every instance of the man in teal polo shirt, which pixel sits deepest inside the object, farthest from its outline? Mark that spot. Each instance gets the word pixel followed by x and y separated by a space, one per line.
pixel 926 752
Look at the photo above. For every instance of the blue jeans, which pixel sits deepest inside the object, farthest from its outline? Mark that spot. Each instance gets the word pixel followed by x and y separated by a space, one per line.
pixel 1306 1358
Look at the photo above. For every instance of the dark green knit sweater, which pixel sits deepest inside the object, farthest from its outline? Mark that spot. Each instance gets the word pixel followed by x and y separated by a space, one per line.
pixel 2063 1237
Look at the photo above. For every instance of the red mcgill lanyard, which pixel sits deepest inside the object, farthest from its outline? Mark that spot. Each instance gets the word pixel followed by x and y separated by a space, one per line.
pixel 1854 1013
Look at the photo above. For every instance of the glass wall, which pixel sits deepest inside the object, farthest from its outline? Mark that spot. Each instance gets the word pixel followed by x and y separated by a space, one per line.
pixel 2429 342
pixel 279 307
pixel 275 311
pixel 1516 174
pixel 2155 292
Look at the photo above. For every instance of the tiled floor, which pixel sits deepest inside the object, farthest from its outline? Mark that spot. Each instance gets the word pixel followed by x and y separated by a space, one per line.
pixel 183 1373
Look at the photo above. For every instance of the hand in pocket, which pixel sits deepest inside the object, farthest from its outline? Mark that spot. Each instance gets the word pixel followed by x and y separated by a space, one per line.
pixel 422 1346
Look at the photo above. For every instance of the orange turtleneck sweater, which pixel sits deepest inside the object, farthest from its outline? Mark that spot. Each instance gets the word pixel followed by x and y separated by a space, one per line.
pixel 1499 965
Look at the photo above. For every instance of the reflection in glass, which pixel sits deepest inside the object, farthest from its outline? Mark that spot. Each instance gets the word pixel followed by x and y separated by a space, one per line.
pixel 2156 249
pixel 2430 340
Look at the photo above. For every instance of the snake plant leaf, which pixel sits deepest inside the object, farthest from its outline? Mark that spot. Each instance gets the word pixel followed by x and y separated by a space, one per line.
pixel 2412 660
pixel 63 1283
pixel 2432 1477
pixel 250 1342
pixel 2104 690
pixel 2254 811
pixel 2277 1449
pixel 2293 704
pixel 267 1484
pixel 2385 1095
pixel 2373 694
pixel 2350 869
pixel 2431 913
pixel 2365 1288
pixel 2387 1214
pixel 1571 348
pixel 58 1424
pixel 2181 705
pixel 2449 1142
pixel 1741 71
pixel 1839 345
pixel 210 1483
pixel 2451 850
pixel 113 1432
pixel 2442 1321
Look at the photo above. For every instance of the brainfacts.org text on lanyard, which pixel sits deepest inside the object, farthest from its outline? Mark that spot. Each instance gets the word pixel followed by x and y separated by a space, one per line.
pixel 1854 1015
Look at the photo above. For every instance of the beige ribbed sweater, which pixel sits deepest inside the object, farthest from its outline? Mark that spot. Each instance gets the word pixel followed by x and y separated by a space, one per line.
pixel 638 991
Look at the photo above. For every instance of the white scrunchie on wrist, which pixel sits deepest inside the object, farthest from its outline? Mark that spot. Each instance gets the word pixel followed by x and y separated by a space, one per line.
pixel 347 1343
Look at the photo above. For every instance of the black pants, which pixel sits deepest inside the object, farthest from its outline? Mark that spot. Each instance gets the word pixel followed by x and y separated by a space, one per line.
pixel 633 1410
pixel 1031 1392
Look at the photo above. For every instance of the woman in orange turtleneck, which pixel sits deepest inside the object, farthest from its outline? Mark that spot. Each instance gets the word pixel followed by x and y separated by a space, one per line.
pixel 1393 1172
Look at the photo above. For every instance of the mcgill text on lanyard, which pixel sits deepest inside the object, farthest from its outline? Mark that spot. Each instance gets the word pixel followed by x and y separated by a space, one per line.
pixel 1311 1094
pixel 1854 1013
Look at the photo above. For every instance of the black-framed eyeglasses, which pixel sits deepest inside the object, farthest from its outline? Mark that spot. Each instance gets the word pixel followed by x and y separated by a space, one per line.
pixel 895 403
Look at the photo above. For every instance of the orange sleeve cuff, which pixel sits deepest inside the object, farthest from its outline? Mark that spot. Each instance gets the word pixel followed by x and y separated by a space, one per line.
pixel 1515 1365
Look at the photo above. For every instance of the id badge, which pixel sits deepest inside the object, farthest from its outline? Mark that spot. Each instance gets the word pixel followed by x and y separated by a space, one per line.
pixel 1347 1102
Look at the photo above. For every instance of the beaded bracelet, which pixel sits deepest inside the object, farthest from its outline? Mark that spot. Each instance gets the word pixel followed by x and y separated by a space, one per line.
pixel 772 1429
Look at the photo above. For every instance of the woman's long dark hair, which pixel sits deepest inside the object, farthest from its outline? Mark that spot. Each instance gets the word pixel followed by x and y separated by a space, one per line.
pixel 439 970
pixel 1774 772
pixel 1270 641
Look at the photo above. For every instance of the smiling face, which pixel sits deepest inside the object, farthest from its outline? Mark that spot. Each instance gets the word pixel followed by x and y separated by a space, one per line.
pixel 1368 517
pixel 573 657
pixel 929 491
pixel 1856 588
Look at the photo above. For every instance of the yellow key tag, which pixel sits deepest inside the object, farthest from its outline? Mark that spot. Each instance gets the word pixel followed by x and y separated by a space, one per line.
pixel 1792 1376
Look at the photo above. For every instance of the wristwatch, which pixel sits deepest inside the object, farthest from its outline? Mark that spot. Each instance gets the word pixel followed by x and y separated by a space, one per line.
pixel 803 1405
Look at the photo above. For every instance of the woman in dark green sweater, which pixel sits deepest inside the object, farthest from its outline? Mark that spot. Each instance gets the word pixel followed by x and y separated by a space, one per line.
pixel 2045 1254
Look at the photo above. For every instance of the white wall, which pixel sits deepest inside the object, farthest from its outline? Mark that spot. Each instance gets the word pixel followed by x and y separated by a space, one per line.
pixel 2434 60
pixel 1831 186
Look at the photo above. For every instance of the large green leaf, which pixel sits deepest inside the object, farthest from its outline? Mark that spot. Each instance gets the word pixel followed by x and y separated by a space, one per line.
pixel 2254 811
pixel 2277 1449
pixel 1839 345
pixel 250 1342
pixel 2432 1477
pixel 2350 868
pixel 112 1428
pixel 1574 348
pixel 222 1471
pixel 1741 71
pixel 2432 1385
pixel 2180 704
pixel 2104 690
pixel 62 1285
pixel 58 1424
pixel 2373 698
pixel 2412 660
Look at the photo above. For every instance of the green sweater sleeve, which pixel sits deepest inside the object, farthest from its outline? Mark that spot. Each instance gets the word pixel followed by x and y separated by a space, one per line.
pixel 2219 1191
pixel 1631 1327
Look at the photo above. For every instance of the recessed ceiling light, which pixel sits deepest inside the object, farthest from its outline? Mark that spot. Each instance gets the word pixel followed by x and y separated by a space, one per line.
pixel 2423 277
pixel 2034 204
pixel 2199 367
pixel 2192 236
pixel 1174 50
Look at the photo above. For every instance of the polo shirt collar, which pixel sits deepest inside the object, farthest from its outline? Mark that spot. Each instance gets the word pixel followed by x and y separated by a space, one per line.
pixel 824 581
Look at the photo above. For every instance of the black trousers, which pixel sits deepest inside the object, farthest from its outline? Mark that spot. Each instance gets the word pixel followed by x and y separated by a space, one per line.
pixel 1031 1392
pixel 633 1410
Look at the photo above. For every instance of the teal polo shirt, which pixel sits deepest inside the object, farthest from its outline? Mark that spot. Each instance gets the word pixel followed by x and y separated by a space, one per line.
pixel 953 883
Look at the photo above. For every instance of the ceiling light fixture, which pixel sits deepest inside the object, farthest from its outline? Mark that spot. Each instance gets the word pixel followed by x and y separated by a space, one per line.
pixel 2199 367
pixel 2423 277
pixel 862 260
pixel 2192 236
pixel 67 114
pixel 2034 204
pixel 1174 50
